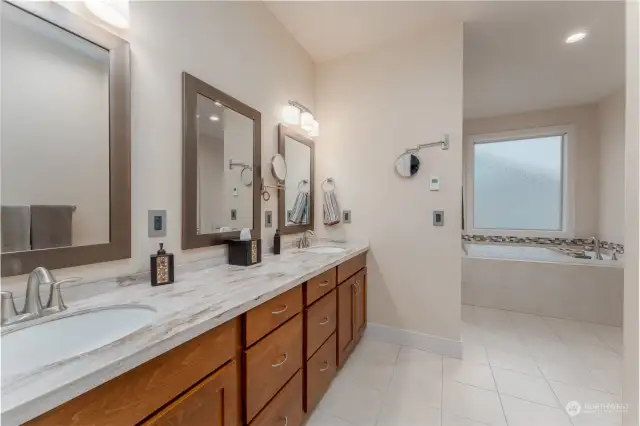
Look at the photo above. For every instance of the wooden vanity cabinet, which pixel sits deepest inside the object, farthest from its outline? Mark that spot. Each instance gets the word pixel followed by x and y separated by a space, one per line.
pixel 213 402
pixel 268 367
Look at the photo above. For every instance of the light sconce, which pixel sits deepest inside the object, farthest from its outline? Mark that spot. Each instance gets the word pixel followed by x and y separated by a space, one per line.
pixel 113 12
pixel 299 115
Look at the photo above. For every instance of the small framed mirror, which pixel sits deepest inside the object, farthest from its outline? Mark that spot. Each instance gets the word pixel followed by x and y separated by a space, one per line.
pixel 407 165
pixel 221 163
pixel 66 137
pixel 295 202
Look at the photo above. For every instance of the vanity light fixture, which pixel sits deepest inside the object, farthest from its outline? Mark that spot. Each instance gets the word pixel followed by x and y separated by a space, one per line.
pixel 315 131
pixel 214 117
pixel 291 115
pixel 113 12
pixel 575 37
pixel 306 121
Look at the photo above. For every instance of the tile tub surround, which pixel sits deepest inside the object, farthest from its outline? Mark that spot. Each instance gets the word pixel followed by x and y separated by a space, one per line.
pixel 581 243
pixel 198 301
pixel 581 292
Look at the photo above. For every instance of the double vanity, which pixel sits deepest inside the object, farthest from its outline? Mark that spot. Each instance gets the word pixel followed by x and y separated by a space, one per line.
pixel 222 346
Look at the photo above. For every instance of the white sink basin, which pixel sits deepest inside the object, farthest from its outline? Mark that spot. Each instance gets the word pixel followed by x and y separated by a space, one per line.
pixel 64 337
pixel 325 250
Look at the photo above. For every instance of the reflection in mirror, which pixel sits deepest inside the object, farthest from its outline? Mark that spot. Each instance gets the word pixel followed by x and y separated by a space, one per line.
pixel 55 136
pixel 297 182
pixel 279 167
pixel 407 165
pixel 225 176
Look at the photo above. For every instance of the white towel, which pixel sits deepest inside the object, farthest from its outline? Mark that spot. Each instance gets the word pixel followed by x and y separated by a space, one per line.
pixel 331 209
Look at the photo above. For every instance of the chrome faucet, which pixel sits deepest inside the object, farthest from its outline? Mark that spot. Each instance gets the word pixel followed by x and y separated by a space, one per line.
pixel 304 241
pixel 33 307
pixel 596 248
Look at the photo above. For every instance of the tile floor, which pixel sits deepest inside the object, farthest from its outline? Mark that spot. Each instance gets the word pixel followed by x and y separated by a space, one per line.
pixel 518 370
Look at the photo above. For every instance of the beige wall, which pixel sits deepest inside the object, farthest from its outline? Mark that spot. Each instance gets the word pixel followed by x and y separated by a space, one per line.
pixel 263 67
pixel 586 151
pixel 630 392
pixel 372 106
pixel 611 168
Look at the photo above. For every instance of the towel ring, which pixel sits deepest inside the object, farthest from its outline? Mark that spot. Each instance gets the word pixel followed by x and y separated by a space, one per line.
pixel 302 182
pixel 331 182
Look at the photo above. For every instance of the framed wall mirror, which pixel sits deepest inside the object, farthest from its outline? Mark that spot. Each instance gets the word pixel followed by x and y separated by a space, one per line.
pixel 295 202
pixel 221 166
pixel 65 140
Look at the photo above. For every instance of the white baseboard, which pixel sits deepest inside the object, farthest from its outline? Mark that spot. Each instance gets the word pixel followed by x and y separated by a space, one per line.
pixel 416 340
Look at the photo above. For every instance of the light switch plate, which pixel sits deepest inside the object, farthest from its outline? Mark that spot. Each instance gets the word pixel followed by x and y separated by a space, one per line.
pixel 434 183
pixel 234 214
pixel 438 218
pixel 157 223
pixel 346 216
pixel 268 219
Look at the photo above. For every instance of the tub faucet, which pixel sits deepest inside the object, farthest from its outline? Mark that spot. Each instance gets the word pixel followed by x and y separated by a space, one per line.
pixel 596 248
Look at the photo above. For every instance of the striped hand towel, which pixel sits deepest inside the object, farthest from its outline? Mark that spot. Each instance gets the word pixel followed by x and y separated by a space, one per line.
pixel 331 209
pixel 300 211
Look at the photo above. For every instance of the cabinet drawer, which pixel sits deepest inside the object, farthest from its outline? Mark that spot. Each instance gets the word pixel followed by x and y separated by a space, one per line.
pixel 131 397
pixel 271 363
pixel 320 285
pixel 320 322
pixel 261 320
pixel 320 369
pixel 285 408
pixel 351 266
pixel 213 402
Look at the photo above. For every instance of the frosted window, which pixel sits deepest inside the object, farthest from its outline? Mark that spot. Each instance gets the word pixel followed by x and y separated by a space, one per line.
pixel 518 184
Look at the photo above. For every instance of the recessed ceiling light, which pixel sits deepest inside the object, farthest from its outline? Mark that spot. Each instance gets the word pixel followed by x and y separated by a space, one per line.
pixel 573 38
pixel 214 118
pixel 217 104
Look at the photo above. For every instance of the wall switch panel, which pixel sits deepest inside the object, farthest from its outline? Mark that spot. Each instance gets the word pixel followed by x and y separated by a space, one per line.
pixel 438 218
pixel 268 219
pixel 434 183
pixel 346 216
pixel 234 214
pixel 157 223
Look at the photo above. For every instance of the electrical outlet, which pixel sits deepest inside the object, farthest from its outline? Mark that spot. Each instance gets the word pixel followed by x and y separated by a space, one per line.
pixel 268 215
pixel 346 216
pixel 438 218
pixel 289 213
pixel 234 214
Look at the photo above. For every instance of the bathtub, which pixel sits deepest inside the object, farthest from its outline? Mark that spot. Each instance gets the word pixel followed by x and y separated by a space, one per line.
pixel 543 281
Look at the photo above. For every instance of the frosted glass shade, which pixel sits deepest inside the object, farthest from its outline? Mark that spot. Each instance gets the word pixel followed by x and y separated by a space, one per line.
pixel 113 12
pixel 306 121
pixel 316 129
pixel 291 115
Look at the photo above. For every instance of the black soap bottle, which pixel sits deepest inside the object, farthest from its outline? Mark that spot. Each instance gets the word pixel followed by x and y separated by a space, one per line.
pixel 276 242
pixel 161 267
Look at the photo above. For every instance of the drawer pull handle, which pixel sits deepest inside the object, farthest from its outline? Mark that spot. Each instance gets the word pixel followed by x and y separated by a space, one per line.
pixel 280 363
pixel 286 420
pixel 326 321
pixel 323 284
pixel 280 311
pixel 327 366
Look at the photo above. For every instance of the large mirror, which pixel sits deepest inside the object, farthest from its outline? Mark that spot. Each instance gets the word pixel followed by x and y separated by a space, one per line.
pixel 65 140
pixel 295 203
pixel 221 148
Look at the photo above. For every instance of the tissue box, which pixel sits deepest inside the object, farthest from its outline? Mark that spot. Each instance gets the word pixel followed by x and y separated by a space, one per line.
pixel 245 253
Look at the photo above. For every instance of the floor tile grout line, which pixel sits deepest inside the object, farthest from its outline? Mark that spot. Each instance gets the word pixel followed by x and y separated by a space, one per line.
pixel 495 382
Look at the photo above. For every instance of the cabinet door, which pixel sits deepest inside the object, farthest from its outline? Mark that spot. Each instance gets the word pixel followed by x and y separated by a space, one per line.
pixel 213 402
pixel 360 304
pixel 346 328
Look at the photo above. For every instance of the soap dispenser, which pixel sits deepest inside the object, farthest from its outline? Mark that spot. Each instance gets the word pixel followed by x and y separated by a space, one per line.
pixel 161 267
pixel 276 242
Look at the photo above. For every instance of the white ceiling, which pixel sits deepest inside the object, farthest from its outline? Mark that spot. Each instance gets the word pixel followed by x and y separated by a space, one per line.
pixel 514 58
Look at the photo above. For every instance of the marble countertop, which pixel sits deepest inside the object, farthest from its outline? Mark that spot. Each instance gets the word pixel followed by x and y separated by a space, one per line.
pixel 197 302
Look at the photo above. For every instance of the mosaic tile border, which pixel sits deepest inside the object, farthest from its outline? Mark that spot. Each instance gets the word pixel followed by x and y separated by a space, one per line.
pixel 586 243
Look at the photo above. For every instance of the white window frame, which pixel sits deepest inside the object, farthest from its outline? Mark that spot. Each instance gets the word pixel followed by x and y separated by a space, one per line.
pixel 568 180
